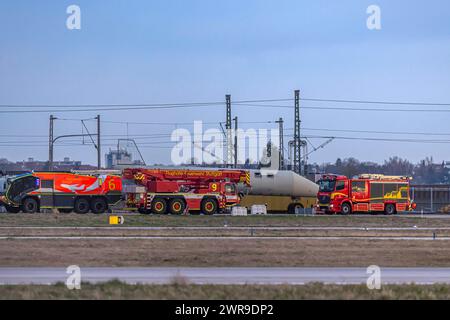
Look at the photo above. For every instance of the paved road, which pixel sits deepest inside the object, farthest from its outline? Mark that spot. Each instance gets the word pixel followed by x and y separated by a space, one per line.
pixel 225 238
pixel 196 228
pixel 226 275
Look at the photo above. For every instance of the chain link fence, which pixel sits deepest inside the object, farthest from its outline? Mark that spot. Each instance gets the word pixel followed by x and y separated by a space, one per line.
pixel 431 198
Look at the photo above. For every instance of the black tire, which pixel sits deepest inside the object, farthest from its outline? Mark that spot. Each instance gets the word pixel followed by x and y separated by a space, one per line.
pixel 10 209
pixel 142 210
pixel 64 210
pixel 99 205
pixel 30 205
pixel 346 208
pixel 293 206
pixel 159 206
pixel 389 209
pixel 209 206
pixel 177 206
pixel 81 206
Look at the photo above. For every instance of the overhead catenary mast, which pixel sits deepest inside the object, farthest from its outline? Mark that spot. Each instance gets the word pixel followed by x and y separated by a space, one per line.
pixel 297 141
pixel 281 144
pixel 229 132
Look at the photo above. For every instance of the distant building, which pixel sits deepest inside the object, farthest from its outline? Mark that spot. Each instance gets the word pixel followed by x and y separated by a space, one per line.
pixel 31 164
pixel 446 164
pixel 121 157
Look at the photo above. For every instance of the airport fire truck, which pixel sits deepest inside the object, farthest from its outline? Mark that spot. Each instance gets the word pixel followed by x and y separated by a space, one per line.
pixel 179 191
pixel 63 191
pixel 373 193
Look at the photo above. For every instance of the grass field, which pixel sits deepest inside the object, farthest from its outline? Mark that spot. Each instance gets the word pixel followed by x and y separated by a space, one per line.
pixel 72 219
pixel 118 290
pixel 223 232
pixel 224 253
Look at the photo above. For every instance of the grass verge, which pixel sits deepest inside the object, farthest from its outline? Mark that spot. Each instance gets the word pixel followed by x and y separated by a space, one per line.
pixel 224 253
pixel 119 290
pixel 77 220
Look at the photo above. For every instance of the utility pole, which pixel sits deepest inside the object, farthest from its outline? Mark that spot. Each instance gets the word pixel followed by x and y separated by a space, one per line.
pixel 99 153
pixel 229 160
pixel 297 141
pixel 235 142
pixel 304 163
pixel 52 139
pixel 281 144
pixel 50 144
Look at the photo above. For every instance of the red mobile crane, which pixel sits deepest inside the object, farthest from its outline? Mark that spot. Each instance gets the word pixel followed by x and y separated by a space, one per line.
pixel 181 190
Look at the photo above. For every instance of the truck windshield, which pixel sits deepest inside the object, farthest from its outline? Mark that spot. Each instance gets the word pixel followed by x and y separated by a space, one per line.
pixel 21 185
pixel 326 185
pixel 230 189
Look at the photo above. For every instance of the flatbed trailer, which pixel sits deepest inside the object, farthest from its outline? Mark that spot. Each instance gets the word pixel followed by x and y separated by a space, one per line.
pixel 279 203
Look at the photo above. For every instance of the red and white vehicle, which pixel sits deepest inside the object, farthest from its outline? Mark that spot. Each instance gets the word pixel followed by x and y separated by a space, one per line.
pixel 374 193
pixel 63 191
pixel 179 191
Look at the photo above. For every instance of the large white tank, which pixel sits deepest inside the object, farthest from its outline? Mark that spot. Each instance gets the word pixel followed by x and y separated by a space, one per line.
pixel 280 183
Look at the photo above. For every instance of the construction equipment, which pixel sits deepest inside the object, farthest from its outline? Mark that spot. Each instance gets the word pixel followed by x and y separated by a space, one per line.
pixel 374 193
pixel 63 191
pixel 179 191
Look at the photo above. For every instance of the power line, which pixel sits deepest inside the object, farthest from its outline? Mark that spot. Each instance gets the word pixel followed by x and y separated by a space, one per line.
pixel 160 135
pixel 154 143
pixel 344 108
pixel 410 103
pixel 105 105
pixel 111 105
pixel 377 132
pixel 250 103
pixel 104 109
pixel 382 139
pixel 182 123
pixel 134 105
pixel 164 135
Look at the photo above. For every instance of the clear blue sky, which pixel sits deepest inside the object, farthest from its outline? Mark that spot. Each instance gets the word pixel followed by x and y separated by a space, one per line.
pixel 182 51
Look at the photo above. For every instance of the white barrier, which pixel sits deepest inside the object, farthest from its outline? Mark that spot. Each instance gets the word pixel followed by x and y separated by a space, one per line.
pixel 239 211
pixel 258 209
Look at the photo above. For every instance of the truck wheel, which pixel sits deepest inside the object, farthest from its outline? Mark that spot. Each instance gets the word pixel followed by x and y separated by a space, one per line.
pixel 389 209
pixel 81 206
pixel 176 206
pixel 346 209
pixel 30 205
pixel 159 206
pixel 293 207
pixel 142 210
pixel 99 205
pixel 10 209
pixel 209 206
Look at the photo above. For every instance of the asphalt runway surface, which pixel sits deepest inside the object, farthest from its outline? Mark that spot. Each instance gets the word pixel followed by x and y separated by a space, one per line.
pixel 293 276
pixel 433 235
pixel 224 228
pixel 226 238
